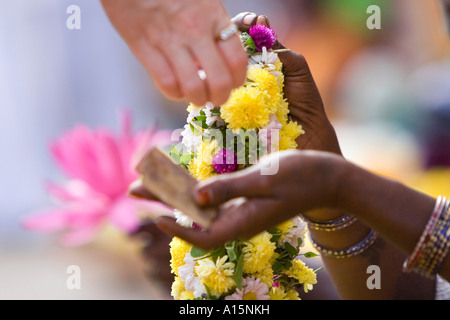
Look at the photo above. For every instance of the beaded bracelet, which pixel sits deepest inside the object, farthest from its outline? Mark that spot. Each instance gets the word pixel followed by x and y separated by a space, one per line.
pixel 349 252
pixel 329 226
pixel 434 243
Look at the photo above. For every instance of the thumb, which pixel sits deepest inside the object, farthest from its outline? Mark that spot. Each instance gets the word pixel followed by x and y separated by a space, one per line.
pixel 246 20
pixel 219 189
pixel 294 63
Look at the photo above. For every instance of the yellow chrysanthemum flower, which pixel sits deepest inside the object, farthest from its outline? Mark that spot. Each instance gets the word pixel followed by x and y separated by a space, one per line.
pixel 218 277
pixel 292 295
pixel 268 84
pixel 258 253
pixel 201 166
pixel 306 276
pixel 277 293
pixel 288 135
pixel 178 250
pixel 245 109
pixel 179 292
pixel 282 111
pixel 279 66
pixel 265 274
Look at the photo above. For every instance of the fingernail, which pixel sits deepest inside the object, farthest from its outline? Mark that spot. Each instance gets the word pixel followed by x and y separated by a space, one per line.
pixel 133 189
pixel 203 197
pixel 263 20
pixel 248 19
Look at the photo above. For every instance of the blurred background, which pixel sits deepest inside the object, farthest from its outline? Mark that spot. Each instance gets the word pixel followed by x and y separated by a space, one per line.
pixel 386 91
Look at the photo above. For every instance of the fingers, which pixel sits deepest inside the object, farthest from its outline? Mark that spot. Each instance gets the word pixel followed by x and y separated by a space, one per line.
pixel 245 20
pixel 219 189
pixel 235 57
pixel 201 239
pixel 240 220
pixel 193 88
pixel 137 190
pixel 218 80
pixel 293 62
pixel 159 69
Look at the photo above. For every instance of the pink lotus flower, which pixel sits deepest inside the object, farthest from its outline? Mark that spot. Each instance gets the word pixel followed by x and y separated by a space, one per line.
pixel 100 167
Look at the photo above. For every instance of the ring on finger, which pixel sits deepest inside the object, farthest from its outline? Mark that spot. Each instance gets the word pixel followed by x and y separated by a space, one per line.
pixel 228 32
pixel 201 74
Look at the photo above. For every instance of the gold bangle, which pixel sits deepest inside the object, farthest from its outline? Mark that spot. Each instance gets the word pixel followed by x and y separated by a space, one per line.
pixel 333 225
pixel 349 252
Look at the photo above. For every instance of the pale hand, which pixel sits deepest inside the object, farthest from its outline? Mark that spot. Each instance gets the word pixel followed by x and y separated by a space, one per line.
pixel 174 39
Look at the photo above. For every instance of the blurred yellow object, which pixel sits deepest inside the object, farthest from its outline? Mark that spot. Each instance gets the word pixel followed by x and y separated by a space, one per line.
pixel 116 242
pixel 433 182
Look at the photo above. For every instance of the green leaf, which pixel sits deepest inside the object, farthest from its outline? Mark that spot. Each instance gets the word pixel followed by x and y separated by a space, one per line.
pixel 175 155
pixel 292 251
pixel 283 255
pixel 201 121
pixel 275 237
pixel 274 230
pixel 185 159
pixel 277 267
pixel 310 254
pixel 287 264
pixel 238 271
pixel 199 253
pixel 216 253
pixel 208 293
pixel 318 269
pixel 250 43
pixel 299 242
pixel 232 251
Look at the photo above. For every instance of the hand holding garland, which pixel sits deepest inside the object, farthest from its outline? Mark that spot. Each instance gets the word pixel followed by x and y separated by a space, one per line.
pixel 309 181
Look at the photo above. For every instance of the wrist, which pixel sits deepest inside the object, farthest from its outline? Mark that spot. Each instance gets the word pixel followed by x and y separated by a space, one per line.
pixel 328 172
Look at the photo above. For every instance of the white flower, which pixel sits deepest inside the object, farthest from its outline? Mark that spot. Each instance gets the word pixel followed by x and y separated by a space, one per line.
pixel 210 118
pixel 265 60
pixel 194 112
pixel 187 274
pixel 182 219
pixel 190 139
pixel 252 289
pixel 297 231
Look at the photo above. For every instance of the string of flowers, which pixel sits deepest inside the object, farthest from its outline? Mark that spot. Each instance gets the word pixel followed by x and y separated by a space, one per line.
pixel 219 140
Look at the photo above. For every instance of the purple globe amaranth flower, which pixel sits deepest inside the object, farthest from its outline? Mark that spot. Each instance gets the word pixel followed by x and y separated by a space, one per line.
pixel 262 37
pixel 225 161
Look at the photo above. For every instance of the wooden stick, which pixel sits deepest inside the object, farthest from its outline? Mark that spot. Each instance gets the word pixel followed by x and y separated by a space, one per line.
pixel 173 185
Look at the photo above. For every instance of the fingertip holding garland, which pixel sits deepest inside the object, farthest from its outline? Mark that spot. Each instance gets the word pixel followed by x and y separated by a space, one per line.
pixel 220 140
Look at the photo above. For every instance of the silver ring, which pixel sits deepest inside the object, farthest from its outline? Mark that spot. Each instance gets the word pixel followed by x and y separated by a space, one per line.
pixel 229 31
pixel 201 74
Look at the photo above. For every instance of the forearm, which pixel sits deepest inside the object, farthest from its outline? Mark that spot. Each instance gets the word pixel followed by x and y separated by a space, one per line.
pixel 397 213
pixel 351 275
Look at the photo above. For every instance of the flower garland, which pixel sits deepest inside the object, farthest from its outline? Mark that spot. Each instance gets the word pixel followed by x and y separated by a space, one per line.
pixel 219 140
